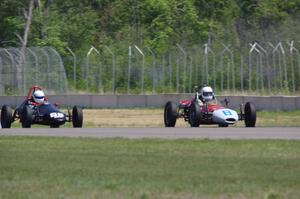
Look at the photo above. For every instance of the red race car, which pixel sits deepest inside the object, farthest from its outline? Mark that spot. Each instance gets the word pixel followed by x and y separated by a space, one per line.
pixel 205 109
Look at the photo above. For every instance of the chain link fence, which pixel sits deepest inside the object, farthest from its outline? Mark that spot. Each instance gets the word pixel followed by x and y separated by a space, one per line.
pixel 19 70
pixel 258 69
pixel 269 69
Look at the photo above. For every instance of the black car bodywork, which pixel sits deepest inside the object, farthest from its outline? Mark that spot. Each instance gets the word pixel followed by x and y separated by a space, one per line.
pixel 29 113
pixel 44 114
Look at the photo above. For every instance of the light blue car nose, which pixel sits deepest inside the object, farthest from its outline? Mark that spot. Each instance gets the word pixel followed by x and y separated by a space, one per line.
pixel 225 116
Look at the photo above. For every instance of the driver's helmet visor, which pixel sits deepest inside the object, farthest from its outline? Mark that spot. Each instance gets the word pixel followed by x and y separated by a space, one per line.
pixel 207 94
pixel 39 97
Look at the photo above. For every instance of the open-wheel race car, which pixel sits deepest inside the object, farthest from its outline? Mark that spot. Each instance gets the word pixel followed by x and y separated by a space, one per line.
pixel 206 109
pixel 36 109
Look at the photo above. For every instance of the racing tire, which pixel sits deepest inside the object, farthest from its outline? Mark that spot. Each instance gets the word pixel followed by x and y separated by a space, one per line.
pixel 26 117
pixel 195 115
pixel 170 114
pixel 250 114
pixel 223 125
pixel 54 126
pixel 77 117
pixel 6 116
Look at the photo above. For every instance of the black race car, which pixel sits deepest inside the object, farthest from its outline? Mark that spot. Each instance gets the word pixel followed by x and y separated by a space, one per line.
pixel 46 113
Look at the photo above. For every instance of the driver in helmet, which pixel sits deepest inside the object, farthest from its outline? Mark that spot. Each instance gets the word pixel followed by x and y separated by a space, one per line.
pixel 38 97
pixel 204 95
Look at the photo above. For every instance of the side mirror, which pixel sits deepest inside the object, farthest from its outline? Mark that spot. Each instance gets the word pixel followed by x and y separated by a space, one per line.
pixel 56 104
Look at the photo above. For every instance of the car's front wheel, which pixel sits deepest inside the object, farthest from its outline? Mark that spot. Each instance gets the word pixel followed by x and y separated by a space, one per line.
pixel 250 114
pixel 6 116
pixel 195 115
pixel 170 114
pixel 26 117
pixel 77 117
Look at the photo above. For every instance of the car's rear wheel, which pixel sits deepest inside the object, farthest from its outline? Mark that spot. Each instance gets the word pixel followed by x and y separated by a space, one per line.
pixel 6 116
pixel 170 114
pixel 195 115
pixel 77 117
pixel 250 115
pixel 26 117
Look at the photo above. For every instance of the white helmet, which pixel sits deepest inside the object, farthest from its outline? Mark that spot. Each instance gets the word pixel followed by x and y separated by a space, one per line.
pixel 207 93
pixel 39 96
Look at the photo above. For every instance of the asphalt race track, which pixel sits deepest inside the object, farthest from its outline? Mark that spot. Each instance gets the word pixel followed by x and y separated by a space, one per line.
pixel 165 133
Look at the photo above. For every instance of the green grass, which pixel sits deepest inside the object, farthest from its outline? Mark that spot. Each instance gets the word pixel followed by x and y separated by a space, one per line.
pixel 36 167
pixel 278 118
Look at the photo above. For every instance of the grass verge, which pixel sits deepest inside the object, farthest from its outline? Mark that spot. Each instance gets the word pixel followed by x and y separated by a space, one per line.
pixel 35 167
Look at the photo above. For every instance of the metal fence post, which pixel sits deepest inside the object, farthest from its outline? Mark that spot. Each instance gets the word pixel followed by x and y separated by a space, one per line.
pixel 87 60
pixel 286 83
pixel 11 64
pixel 196 62
pixel 281 60
pixel 170 70
pixel 63 87
pixel 226 49
pixel 1 76
pixel 177 74
pixel 242 73
pixel 208 50
pixel 143 68
pixel 259 69
pixel 206 61
pixel 74 67
pixel 253 48
pixel 19 60
pixel 184 65
pixel 191 73
pixel 36 64
pixel 163 72
pixel 292 50
pixel 129 69
pixel 113 68
pixel 268 68
pixel 153 68
pixel 274 73
pixel 48 66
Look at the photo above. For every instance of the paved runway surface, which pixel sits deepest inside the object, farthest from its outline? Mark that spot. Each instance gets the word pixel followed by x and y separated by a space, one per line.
pixel 166 133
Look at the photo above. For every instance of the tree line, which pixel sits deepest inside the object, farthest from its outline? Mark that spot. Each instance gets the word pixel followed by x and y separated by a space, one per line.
pixel 158 24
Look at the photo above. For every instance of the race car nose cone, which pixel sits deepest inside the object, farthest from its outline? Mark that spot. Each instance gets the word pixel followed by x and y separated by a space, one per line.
pixel 225 116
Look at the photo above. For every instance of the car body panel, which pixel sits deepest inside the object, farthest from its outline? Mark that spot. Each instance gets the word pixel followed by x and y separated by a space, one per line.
pixel 225 116
pixel 212 112
pixel 45 114
pixel 30 112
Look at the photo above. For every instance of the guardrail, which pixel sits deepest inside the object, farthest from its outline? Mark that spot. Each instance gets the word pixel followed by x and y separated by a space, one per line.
pixel 157 101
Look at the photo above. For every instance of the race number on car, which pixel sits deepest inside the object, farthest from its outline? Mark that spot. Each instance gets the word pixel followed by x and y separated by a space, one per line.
pixel 56 115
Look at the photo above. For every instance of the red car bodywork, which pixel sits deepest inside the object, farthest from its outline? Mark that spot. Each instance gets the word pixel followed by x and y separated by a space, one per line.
pixel 211 106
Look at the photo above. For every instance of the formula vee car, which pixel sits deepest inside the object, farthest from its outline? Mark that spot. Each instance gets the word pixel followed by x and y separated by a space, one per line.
pixel 211 112
pixel 46 113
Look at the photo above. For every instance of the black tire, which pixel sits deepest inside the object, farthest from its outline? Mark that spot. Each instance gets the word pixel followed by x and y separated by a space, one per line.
pixel 6 116
pixel 170 114
pixel 195 115
pixel 223 125
pixel 26 117
pixel 77 117
pixel 54 126
pixel 250 115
